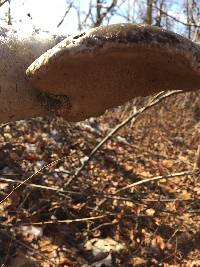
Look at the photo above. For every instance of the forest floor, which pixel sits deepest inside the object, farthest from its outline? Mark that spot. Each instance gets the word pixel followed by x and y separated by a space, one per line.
pixel 89 221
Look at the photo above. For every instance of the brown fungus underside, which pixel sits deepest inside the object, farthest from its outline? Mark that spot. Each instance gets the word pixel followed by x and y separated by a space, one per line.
pixel 110 65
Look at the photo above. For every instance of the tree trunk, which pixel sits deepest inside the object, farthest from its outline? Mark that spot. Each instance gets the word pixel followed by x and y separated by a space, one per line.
pixel 98 13
pixel 148 18
pixel 18 100
pixel 159 14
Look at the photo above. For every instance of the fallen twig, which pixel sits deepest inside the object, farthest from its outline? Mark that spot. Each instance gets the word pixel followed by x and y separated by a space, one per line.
pixel 103 225
pixel 58 190
pixel 169 199
pixel 66 221
pixel 177 174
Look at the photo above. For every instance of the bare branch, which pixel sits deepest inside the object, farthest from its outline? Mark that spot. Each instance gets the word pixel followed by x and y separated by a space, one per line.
pixel 57 190
pixel 178 174
pixel 67 221
pixel 66 12
pixel 101 16
pixel 3 2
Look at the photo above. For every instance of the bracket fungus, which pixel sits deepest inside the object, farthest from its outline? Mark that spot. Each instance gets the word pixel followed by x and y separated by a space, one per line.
pixel 82 76
pixel 109 65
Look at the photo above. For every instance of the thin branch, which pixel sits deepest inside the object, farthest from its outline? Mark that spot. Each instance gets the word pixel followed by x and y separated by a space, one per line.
pixel 169 199
pixel 57 190
pixel 89 13
pixel 3 2
pixel 103 225
pixel 178 174
pixel 66 12
pixel 101 16
pixel 159 97
pixel 66 221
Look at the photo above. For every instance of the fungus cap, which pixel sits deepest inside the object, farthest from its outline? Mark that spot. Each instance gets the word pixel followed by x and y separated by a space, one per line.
pixel 109 65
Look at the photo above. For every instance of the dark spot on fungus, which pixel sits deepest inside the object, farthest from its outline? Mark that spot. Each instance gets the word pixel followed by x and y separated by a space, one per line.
pixel 54 103
pixel 78 36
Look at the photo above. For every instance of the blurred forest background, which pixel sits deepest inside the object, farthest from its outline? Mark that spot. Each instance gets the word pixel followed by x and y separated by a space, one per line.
pixel 181 16
pixel 137 200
